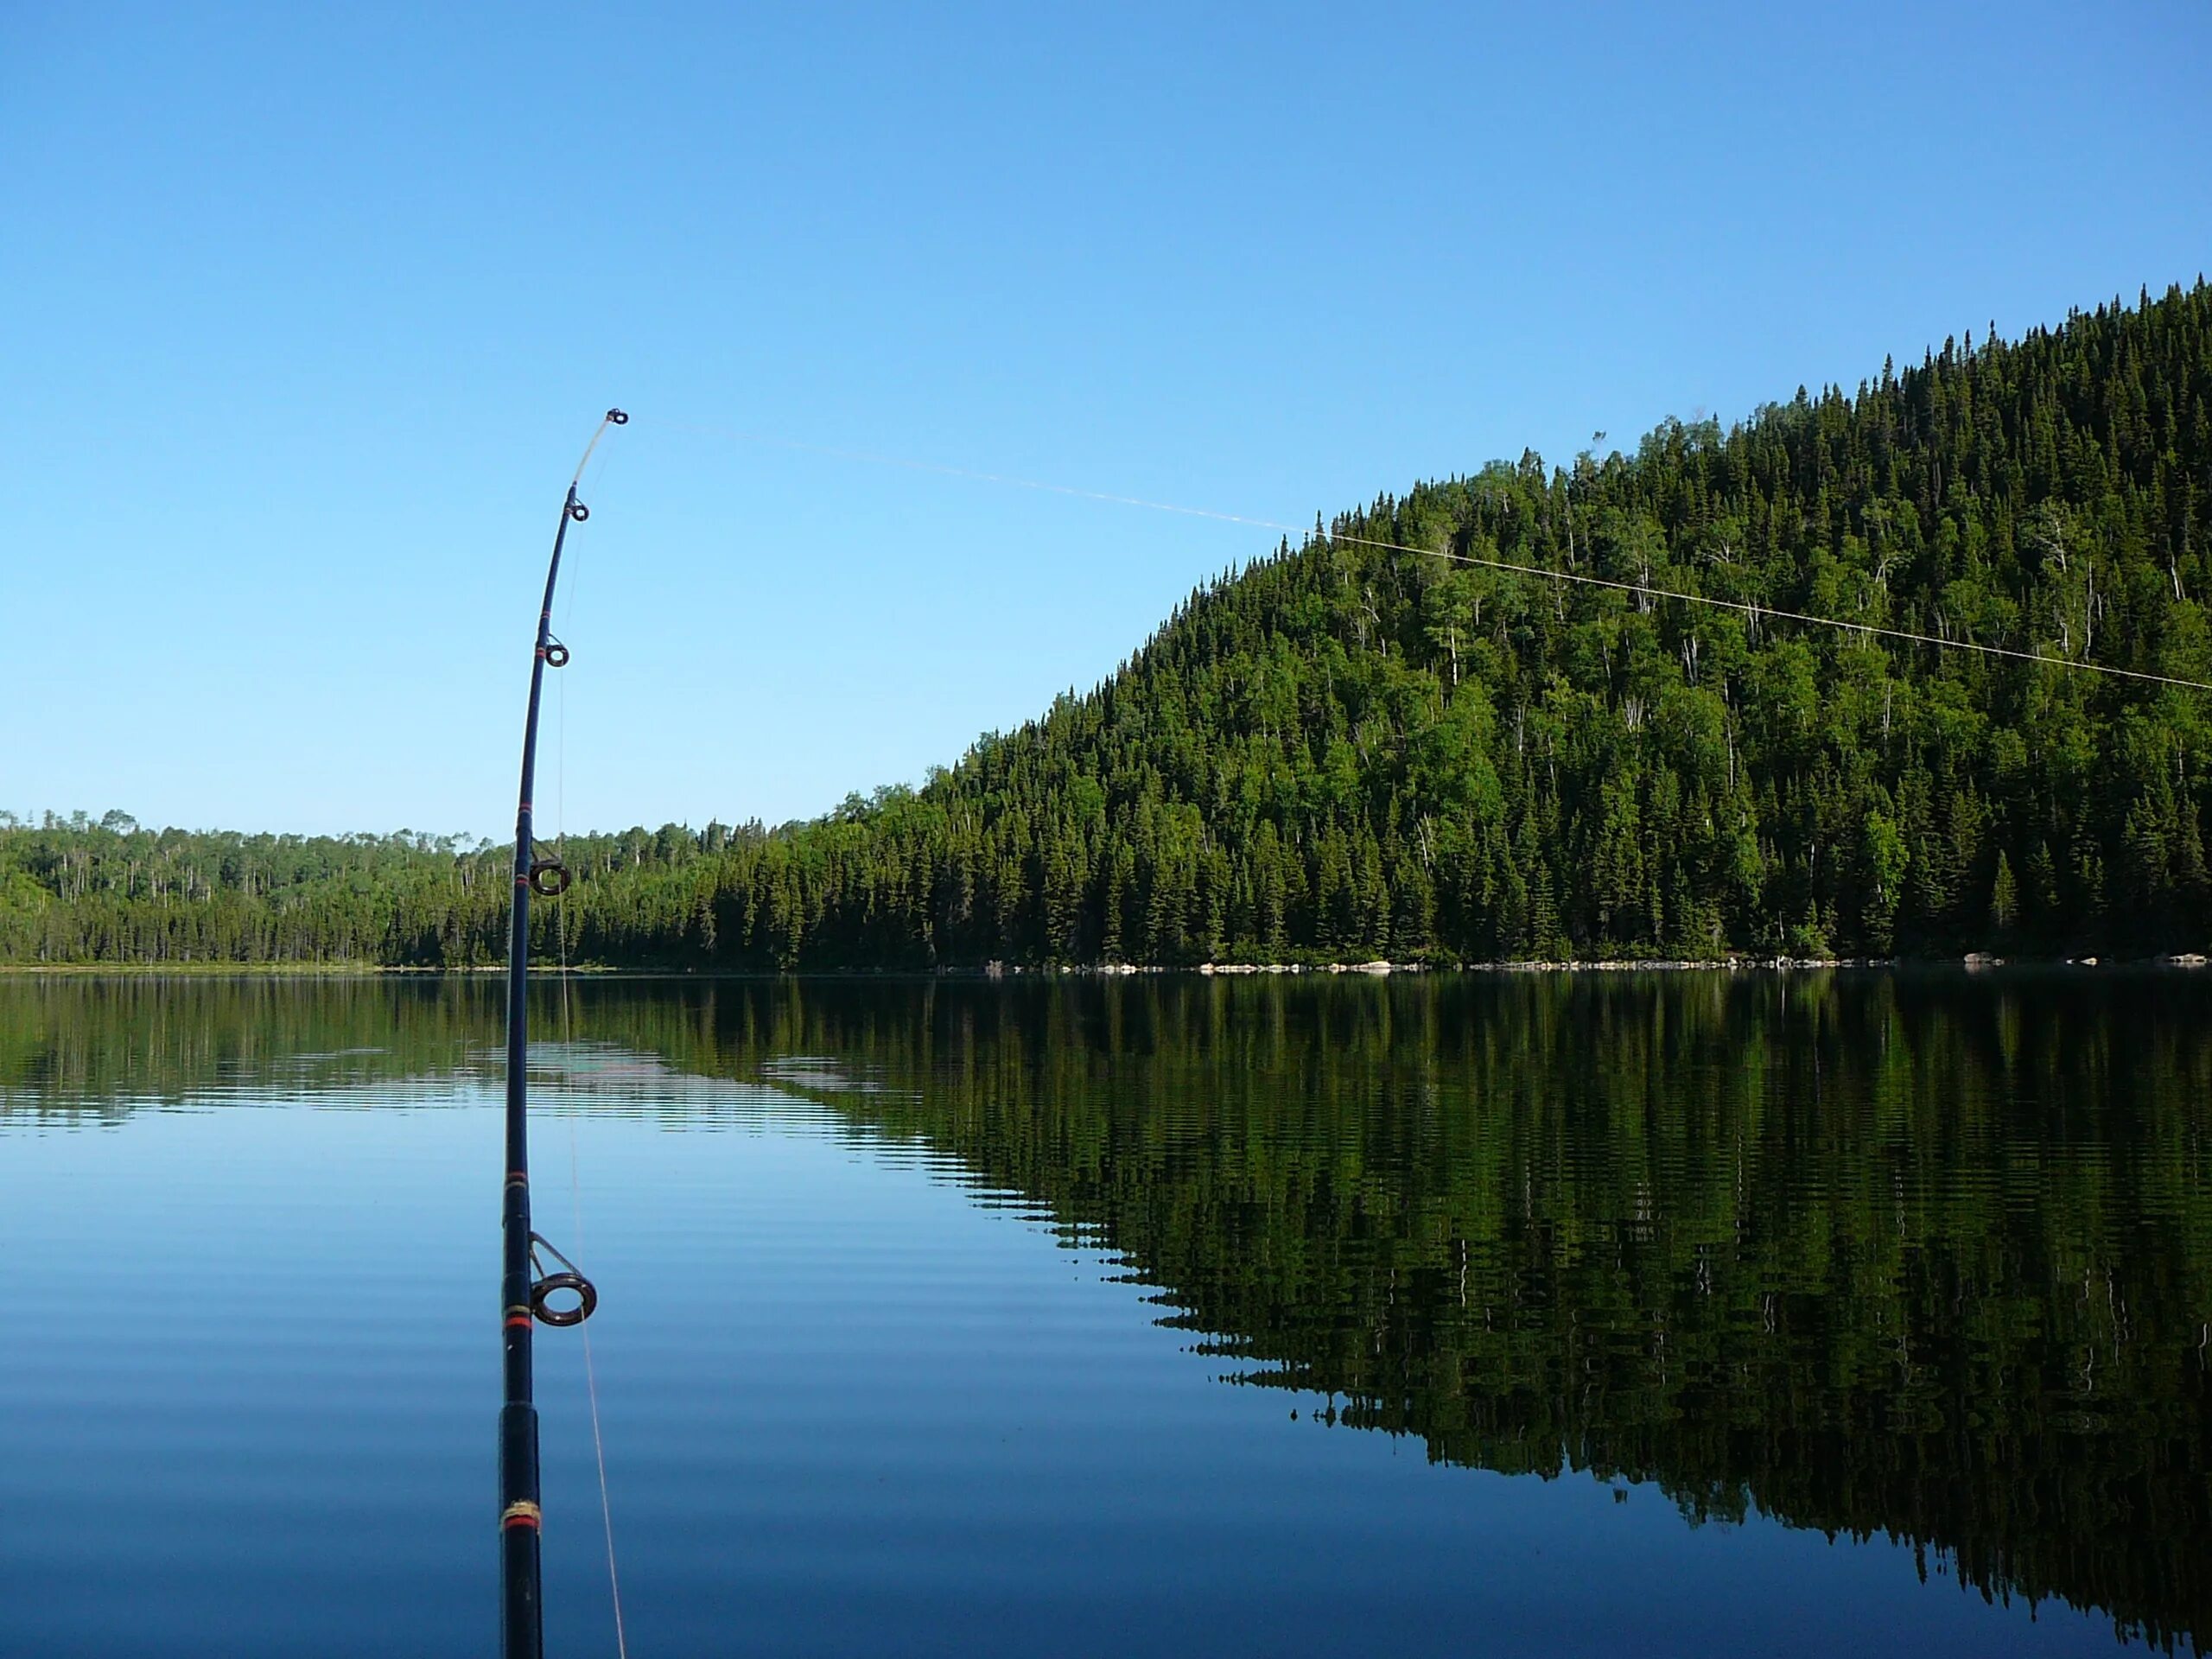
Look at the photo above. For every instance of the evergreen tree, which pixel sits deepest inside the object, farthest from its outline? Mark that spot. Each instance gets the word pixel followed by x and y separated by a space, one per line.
pixel 1348 749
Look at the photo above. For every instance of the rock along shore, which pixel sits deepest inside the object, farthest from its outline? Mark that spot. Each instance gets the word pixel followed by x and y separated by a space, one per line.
pixel 1601 965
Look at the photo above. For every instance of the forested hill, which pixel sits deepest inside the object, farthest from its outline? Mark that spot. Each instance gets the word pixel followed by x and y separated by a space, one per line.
pixel 1345 751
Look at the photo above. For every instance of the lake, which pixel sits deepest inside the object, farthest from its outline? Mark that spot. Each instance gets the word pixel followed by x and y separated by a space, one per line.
pixel 1539 1313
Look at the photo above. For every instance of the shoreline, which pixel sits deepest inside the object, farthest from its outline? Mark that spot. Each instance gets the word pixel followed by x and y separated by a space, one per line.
pixel 1378 969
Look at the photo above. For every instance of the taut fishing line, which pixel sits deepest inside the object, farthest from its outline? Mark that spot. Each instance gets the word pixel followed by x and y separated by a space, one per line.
pixel 568 1042
pixel 1753 610
pixel 527 1286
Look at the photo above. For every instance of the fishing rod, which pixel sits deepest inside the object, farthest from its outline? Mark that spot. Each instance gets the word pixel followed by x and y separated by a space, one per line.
pixel 526 1291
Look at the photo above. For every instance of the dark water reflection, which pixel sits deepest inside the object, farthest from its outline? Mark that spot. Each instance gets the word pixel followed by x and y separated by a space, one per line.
pixel 1922 1255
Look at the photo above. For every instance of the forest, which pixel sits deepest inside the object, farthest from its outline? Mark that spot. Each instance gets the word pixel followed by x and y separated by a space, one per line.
pixel 1347 751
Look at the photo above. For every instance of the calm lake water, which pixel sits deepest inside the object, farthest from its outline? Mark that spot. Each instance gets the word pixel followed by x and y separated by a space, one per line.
pixel 1813 1313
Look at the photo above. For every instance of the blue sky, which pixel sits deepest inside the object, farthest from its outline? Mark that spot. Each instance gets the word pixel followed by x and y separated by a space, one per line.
pixel 309 311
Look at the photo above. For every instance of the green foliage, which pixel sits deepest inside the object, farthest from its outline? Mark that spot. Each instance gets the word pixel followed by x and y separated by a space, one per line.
pixel 1346 751
pixel 73 890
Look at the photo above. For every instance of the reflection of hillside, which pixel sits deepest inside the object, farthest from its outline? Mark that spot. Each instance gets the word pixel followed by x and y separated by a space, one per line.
pixel 86 1045
pixel 1928 1257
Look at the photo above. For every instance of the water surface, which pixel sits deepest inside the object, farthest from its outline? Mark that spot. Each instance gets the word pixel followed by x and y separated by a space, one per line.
pixel 1512 1314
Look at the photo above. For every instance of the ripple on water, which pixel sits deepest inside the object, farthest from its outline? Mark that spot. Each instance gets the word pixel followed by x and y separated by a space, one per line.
pixel 919 1302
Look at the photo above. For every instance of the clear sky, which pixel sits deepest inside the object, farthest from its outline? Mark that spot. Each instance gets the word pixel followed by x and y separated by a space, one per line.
pixel 308 311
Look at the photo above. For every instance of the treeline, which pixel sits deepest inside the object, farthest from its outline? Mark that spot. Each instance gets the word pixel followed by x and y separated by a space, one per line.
pixel 76 889
pixel 1348 751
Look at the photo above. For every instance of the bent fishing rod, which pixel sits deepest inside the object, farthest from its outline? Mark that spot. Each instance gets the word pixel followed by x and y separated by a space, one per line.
pixel 526 1291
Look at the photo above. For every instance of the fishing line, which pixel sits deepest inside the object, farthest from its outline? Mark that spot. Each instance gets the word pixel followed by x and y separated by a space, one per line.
pixel 575 1160
pixel 1751 609
pixel 1755 611
pixel 912 465
pixel 527 1286
pixel 575 563
pixel 591 1391
pixel 598 432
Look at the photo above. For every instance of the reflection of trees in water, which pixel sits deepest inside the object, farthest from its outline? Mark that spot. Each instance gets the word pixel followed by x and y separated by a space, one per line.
pixel 1927 1256
pixel 1923 1256
pixel 97 1046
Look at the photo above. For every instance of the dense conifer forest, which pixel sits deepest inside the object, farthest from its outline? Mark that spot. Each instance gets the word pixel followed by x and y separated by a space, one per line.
pixel 1346 752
